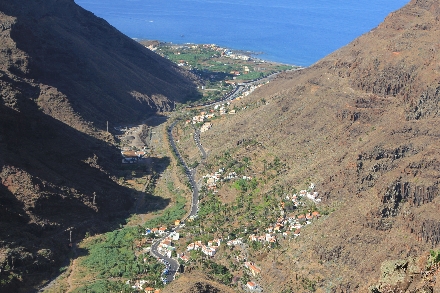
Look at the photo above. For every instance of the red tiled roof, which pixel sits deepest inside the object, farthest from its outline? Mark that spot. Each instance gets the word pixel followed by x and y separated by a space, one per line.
pixel 254 268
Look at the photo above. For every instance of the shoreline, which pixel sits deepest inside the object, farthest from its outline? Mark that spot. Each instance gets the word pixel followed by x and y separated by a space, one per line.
pixel 219 68
pixel 251 54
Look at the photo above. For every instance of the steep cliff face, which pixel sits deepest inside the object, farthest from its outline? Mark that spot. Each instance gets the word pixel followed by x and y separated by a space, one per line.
pixel 402 63
pixel 361 124
pixel 63 74
pixel 84 66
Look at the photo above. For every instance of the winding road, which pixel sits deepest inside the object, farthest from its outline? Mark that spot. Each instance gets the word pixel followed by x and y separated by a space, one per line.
pixel 241 86
pixel 189 172
pixel 172 264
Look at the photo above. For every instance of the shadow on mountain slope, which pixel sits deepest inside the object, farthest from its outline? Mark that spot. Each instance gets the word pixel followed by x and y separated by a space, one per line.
pixel 49 174
pixel 103 74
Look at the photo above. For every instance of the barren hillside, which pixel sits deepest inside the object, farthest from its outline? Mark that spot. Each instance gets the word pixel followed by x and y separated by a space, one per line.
pixel 362 125
pixel 81 67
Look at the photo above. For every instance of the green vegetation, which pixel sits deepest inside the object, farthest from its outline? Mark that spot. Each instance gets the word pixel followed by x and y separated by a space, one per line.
pixel 174 212
pixel 434 258
pixel 214 66
pixel 116 256
pixel 250 206
pixel 104 286
pixel 10 276
pixel 211 205
pixel 219 272
pixel 308 284
pixel 245 185
pixel 113 255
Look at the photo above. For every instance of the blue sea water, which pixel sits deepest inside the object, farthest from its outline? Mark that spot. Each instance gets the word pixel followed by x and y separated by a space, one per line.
pixel 296 32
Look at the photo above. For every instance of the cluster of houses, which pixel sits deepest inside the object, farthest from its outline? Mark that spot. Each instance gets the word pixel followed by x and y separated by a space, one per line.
pixel 209 250
pixel 139 285
pixel 202 117
pixel 166 244
pixel 297 222
pixel 236 56
pixel 223 109
pixel 267 238
pixel 292 222
pixel 309 193
pixel 213 178
pixel 250 90
pixel 283 225
pixel 236 72
pixel 234 242
pixel 223 51
pixel 157 231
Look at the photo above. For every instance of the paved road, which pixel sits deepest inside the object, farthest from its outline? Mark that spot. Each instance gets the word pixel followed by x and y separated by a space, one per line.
pixel 241 86
pixel 199 145
pixel 228 97
pixel 189 172
pixel 173 265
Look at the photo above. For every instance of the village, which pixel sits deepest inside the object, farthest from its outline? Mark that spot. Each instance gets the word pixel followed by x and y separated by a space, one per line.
pixel 168 242
pixel 286 227
pixel 220 67
pixel 222 51
pixel 221 109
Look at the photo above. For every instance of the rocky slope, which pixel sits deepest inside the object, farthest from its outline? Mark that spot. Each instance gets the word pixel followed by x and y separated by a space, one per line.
pixel 63 74
pixel 361 124
pixel 82 65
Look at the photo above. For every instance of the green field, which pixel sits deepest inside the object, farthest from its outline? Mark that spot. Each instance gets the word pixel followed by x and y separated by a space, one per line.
pixel 214 66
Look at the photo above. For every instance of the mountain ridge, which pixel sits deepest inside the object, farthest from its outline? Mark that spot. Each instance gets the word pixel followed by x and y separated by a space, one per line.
pixel 66 42
pixel 63 74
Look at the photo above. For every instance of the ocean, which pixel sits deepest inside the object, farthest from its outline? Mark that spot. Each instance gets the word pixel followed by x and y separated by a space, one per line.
pixel 297 32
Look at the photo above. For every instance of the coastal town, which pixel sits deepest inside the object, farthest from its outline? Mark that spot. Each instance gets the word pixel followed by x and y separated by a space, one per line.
pixel 219 68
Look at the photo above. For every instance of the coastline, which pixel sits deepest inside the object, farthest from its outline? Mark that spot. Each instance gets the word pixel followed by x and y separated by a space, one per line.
pixel 251 54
